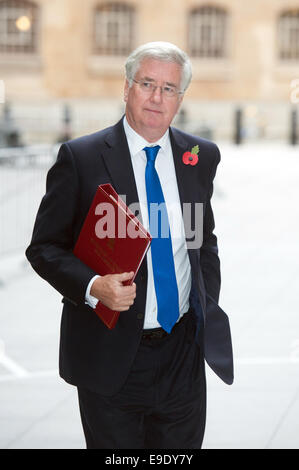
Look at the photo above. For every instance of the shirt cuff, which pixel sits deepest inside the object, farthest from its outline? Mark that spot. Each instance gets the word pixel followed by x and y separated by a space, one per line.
pixel 89 299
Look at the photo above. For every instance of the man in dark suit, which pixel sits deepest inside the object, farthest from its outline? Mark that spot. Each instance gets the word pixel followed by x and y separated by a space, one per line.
pixel 141 384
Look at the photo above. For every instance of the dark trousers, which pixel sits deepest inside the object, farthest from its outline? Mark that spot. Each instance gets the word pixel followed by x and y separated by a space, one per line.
pixel 162 405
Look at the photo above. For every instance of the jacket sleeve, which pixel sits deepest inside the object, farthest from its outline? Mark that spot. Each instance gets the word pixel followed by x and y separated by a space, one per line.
pixel 50 251
pixel 210 263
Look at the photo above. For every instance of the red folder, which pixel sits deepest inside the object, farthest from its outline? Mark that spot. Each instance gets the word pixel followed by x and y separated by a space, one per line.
pixel 112 241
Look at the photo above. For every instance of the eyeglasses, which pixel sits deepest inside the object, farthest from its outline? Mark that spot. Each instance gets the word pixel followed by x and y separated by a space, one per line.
pixel 150 87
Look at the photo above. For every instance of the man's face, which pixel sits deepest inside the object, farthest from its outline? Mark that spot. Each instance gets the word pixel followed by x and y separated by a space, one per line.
pixel 150 114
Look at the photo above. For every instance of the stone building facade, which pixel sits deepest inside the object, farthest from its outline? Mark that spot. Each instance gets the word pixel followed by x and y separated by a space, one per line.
pixel 56 52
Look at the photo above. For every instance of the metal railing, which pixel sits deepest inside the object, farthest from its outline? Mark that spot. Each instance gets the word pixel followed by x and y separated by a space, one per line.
pixel 22 184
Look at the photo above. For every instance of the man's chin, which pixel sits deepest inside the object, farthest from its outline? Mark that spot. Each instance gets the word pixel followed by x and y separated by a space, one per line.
pixel 155 121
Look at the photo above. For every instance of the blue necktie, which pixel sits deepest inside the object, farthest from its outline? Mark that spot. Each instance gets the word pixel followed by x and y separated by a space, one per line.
pixel 161 247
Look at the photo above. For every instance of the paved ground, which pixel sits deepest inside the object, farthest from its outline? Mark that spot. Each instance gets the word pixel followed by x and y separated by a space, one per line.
pixel 256 211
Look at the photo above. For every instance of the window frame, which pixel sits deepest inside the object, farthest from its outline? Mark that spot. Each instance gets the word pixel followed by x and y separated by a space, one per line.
pixel 124 16
pixel 285 53
pixel 29 46
pixel 214 14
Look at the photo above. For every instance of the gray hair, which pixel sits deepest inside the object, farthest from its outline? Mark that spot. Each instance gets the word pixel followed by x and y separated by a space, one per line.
pixel 164 51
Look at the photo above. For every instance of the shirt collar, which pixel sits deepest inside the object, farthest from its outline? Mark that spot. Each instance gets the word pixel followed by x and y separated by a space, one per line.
pixel 137 143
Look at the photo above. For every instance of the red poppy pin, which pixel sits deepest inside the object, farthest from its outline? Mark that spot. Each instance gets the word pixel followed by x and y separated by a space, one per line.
pixel 191 158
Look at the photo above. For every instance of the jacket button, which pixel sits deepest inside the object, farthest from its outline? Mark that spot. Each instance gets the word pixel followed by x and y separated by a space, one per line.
pixel 140 316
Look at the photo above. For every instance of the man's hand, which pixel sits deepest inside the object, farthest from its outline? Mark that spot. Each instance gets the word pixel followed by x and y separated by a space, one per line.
pixel 111 292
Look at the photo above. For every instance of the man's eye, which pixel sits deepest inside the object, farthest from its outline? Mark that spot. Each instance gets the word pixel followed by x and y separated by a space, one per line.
pixel 168 89
pixel 147 85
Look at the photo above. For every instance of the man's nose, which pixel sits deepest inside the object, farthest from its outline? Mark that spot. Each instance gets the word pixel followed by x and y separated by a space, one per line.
pixel 157 95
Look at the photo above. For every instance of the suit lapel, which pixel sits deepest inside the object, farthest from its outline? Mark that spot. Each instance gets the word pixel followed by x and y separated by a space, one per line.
pixel 189 192
pixel 187 175
pixel 119 165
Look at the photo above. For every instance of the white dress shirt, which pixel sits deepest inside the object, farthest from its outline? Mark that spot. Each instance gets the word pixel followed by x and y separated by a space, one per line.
pixel 165 168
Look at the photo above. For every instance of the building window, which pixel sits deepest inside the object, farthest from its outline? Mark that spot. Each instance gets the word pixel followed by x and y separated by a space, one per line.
pixel 288 35
pixel 208 32
pixel 114 29
pixel 18 26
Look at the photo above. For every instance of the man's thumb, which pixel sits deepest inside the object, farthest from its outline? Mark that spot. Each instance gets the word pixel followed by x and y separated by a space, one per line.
pixel 125 276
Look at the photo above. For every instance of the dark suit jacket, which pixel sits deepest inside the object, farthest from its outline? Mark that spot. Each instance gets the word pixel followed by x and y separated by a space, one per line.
pixel 91 355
